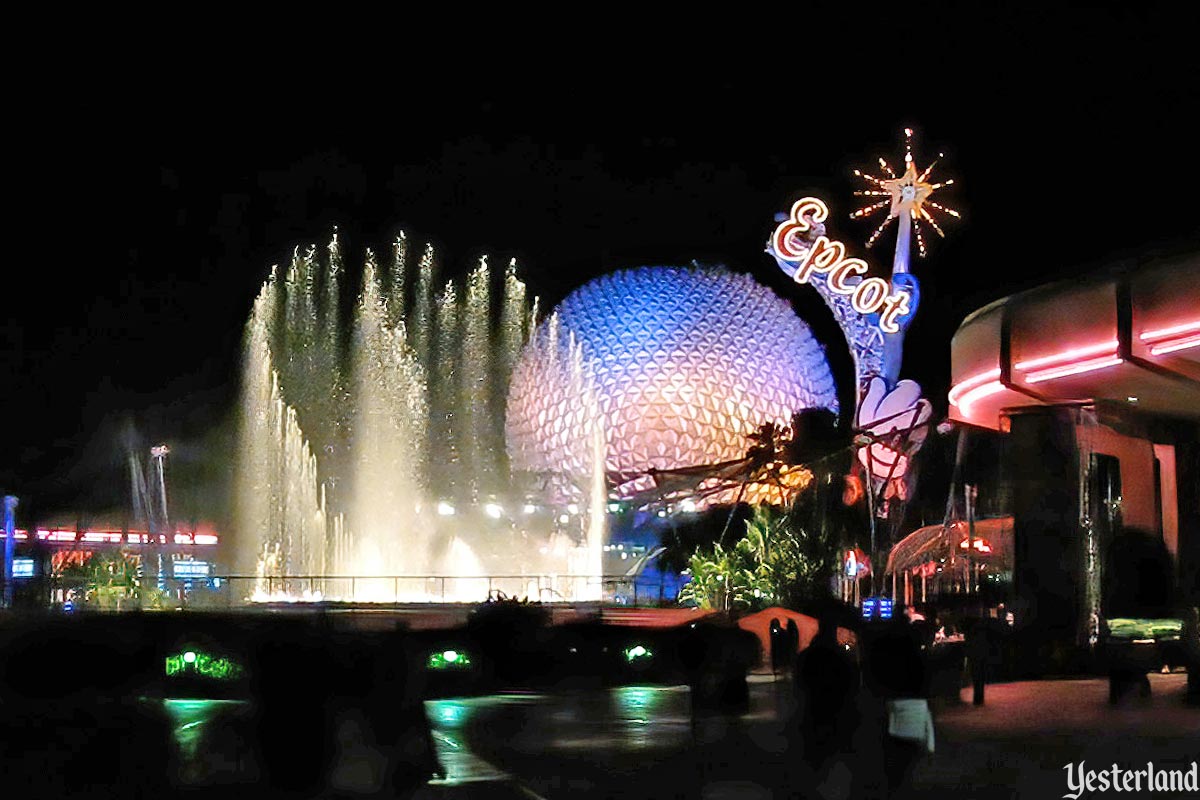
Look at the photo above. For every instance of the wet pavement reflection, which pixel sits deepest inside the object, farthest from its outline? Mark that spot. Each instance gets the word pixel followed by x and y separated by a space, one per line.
pixel 597 743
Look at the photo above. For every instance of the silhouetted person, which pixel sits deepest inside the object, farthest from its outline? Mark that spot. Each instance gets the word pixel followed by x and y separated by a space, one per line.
pixel 827 681
pixel 896 675
pixel 778 639
pixel 979 652
pixel 1138 584
pixel 1190 640
pixel 793 642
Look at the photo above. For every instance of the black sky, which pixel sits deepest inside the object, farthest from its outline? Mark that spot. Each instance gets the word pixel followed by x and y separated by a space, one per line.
pixel 155 189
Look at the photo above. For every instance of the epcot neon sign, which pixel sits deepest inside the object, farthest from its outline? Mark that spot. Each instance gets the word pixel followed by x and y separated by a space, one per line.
pixel 201 663
pixel 828 256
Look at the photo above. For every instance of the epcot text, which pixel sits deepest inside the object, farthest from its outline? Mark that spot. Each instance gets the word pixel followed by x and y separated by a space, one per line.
pixel 868 295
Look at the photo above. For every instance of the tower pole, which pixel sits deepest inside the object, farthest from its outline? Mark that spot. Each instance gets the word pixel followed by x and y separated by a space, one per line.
pixel 903 239
pixel 10 536
pixel 159 453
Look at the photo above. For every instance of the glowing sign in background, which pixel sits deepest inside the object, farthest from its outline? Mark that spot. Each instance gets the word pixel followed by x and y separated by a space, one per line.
pixel 200 663
pixel 638 652
pixel 190 569
pixel 868 296
pixel 449 659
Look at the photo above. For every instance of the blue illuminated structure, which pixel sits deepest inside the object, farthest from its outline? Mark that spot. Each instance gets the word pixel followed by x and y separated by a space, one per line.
pixel 880 607
pixel 10 536
pixel 676 365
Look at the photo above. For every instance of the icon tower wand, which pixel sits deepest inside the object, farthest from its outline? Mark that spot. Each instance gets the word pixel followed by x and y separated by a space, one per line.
pixel 906 198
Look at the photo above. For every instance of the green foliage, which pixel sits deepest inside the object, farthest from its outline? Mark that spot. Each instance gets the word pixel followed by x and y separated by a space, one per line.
pixel 776 562
pixel 112 582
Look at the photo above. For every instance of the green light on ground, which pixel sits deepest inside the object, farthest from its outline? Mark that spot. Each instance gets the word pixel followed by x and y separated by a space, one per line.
pixel 1130 628
pixel 637 652
pixel 190 720
pixel 201 663
pixel 449 659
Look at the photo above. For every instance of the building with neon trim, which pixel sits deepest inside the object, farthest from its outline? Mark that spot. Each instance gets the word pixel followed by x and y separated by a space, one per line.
pixel 1095 385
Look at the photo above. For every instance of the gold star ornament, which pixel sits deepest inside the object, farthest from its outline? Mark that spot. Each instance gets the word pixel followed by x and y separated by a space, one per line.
pixel 906 194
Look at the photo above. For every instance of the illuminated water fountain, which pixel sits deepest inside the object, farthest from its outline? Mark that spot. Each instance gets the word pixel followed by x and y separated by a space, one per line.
pixel 372 462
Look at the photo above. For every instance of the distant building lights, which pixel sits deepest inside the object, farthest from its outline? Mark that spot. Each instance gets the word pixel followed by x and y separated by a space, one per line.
pixel 687 506
pixel 493 510
pixel 190 569
pixel 529 508
pixel 572 508
pixel 444 509
pixel 563 519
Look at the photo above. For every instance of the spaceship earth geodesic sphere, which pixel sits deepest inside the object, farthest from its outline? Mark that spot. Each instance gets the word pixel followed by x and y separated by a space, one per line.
pixel 660 368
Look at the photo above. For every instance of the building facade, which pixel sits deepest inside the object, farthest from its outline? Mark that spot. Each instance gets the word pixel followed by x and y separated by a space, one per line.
pixel 1096 384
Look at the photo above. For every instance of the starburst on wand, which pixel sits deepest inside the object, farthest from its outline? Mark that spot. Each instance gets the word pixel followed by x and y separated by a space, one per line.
pixel 905 197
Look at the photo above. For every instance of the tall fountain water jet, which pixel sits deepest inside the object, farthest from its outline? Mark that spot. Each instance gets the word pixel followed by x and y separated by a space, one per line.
pixel 595 483
pixel 422 313
pixel 390 421
pixel 397 289
pixel 401 397
pixel 514 319
pixel 474 387
pixel 597 511
pixel 280 503
pixel 445 447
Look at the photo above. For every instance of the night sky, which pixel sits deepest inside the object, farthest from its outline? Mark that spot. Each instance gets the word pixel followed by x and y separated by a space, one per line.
pixel 155 190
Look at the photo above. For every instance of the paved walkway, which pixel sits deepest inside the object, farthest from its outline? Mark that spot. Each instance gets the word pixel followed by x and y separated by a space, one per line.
pixel 1018 742
pixel 640 742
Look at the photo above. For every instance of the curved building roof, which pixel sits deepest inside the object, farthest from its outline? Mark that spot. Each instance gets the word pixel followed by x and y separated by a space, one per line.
pixel 1129 337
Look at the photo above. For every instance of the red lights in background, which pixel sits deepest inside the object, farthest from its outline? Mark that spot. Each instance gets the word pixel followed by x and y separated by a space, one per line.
pixel 114 536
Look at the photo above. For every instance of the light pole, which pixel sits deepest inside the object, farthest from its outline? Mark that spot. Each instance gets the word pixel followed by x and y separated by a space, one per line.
pixel 159 454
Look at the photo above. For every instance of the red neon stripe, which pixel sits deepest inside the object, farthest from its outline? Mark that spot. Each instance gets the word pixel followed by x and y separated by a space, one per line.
pixel 1106 348
pixel 1163 333
pixel 1077 368
pixel 1172 346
